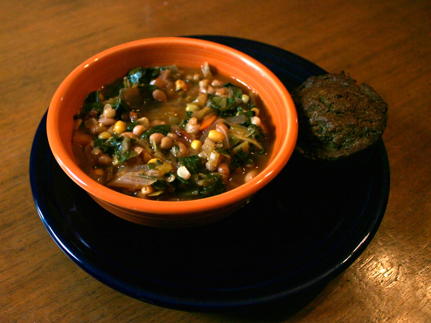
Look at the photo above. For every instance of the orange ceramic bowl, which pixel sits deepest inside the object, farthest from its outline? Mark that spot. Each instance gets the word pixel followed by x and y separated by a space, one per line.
pixel 110 64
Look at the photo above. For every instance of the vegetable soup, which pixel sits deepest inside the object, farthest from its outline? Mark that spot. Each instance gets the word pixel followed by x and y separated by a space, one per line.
pixel 172 133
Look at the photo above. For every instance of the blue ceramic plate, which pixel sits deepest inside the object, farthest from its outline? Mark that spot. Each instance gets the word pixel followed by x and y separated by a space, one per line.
pixel 293 237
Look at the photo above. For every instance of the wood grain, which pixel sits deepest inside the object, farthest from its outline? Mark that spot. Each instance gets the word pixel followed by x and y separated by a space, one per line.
pixel 386 44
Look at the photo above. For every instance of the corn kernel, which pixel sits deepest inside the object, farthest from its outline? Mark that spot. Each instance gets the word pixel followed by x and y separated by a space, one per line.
pixel 183 172
pixel 104 135
pixel 216 136
pixel 180 85
pixel 196 144
pixel 192 107
pixel 115 161
pixel 154 161
pixel 245 98
pixel 256 111
pixel 120 127
pixel 147 190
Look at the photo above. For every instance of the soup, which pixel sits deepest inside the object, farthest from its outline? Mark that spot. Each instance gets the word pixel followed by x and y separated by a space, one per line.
pixel 170 133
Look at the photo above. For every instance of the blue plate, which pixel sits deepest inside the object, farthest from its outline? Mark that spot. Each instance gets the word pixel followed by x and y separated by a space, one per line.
pixel 293 237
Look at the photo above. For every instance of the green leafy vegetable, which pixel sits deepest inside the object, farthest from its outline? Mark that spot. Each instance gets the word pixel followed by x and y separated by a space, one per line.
pixel 142 75
pixel 146 92
pixel 192 163
pixel 236 91
pixel 132 125
pixel 162 128
pixel 240 159
pixel 116 146
pixel 160 184
pixel 213 185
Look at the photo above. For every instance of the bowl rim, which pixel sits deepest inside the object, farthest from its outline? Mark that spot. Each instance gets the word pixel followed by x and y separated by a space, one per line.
pixel 173 207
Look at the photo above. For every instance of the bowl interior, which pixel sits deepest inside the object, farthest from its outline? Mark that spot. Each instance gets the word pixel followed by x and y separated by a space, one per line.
pixel 107 66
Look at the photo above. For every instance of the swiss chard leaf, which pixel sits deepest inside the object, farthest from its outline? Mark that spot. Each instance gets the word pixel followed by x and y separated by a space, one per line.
pixel 91 103
pixel 226 107
pixel 88 107
pixel 142 75
pixel 162 128
pixel 192 163
pixel 160 184
pixel 114 147
pixel 121 106
pixel 237 92
pixel 240 159
pixel 146 92
pixel 214 185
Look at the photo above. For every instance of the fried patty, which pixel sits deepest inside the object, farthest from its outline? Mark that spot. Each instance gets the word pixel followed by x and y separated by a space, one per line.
pixel 337 116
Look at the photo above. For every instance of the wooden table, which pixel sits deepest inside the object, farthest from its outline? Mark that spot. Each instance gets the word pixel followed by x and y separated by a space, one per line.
pixel 386 44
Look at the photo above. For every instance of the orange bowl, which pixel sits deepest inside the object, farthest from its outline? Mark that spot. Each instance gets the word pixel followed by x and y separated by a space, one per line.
pixel 110 64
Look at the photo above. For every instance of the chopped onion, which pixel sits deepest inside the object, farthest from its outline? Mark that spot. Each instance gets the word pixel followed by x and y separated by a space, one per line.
pixel 236 119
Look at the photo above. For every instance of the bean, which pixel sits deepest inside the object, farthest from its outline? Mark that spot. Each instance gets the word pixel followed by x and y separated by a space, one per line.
pixel 256 121
pixel 182 149
pixel 156 138
pixel 97 129
pixel 221 92
pixel 210 90
pixel 107 121
pixel 144 121
pixel 108 111
pixel 216 83
pixel 210 167
pixel 204 83
pixel 173 135
pixel 201 100
pixel 129 134
pixel 159 95
pixel 166 143
pixel 96 151
pixel 223 169
pixel 104 160
pixel 157 122
pixel 250 175
pixel 138 130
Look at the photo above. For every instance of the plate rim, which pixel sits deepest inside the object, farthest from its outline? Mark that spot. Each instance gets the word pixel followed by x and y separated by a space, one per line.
pixel 187 304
